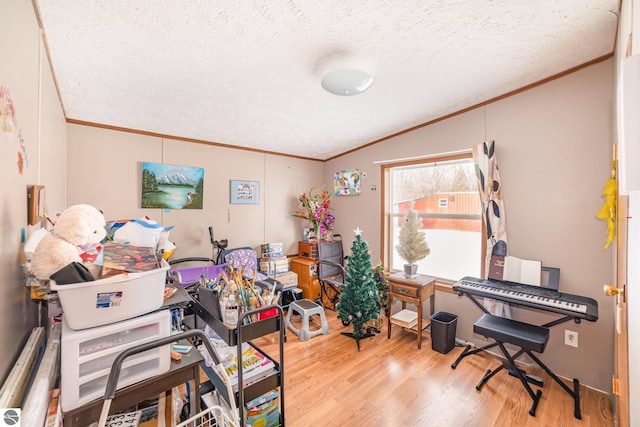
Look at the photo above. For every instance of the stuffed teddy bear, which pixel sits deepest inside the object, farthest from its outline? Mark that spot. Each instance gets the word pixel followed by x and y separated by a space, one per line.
pixel 79 229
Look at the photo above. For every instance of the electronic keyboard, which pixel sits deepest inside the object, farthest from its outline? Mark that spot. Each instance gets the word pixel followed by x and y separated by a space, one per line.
pixel 530 296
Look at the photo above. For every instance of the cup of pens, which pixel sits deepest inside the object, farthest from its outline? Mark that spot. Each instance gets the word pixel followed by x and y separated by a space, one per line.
pixel 248 295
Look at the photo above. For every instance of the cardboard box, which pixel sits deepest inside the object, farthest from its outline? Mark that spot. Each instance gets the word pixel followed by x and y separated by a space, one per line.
pixel 274 266
pixel 272 255
pixel 271 248
pixel 288 279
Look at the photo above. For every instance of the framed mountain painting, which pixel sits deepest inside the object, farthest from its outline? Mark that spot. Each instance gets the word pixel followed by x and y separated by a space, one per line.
pixel 171 187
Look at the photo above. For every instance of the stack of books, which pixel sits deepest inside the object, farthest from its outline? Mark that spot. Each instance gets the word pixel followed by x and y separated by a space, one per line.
pixel 272 259
pixel 405 318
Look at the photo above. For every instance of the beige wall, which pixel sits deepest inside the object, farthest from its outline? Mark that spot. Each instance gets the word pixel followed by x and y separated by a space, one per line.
pixel 104 170
pixel 553 146
pixel 563 126
pixel 24 70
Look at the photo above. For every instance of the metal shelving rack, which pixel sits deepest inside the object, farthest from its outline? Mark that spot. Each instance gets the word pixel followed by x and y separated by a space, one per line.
pixel 246 332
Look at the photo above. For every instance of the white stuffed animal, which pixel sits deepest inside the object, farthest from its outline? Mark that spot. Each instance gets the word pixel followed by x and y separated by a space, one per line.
pixel 79 228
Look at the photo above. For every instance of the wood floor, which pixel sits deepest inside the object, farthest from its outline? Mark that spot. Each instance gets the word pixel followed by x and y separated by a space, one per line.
pixel 392 383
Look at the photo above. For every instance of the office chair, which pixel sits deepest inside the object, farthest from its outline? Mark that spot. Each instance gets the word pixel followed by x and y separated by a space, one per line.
pixel 331 271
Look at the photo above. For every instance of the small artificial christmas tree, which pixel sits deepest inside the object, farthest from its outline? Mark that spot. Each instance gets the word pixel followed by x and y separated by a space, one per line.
pixel 412 245
pixel 359 300
pixel 382 283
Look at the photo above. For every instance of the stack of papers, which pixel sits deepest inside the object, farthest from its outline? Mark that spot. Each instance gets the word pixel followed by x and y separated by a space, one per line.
pixel 514 269
pixel 522 270
pixel 405 318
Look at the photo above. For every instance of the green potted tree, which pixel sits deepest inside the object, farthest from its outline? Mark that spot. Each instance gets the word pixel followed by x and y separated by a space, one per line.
pixel 412 245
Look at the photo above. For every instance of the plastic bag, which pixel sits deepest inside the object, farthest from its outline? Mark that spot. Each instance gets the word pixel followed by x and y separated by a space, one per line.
pixel 142 232
pixel 178 401
pixel 32 242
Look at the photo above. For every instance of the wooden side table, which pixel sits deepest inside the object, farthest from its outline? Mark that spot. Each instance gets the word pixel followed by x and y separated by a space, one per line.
pixel 413 290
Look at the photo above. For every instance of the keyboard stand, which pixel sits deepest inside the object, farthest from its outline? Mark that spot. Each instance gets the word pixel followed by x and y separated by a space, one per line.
pixel 530 378
pixel 468 352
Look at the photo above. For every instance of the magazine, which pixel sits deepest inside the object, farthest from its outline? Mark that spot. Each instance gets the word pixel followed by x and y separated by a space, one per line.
pixel 405 318
pixel 134 259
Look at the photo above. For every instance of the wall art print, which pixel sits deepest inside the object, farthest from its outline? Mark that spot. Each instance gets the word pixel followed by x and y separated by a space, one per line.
pixel 9 126
pixel 245 192
pixel 346 182
pixel 171 187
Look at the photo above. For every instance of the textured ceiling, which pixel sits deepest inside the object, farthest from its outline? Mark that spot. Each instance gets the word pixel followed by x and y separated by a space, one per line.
pixel 247 73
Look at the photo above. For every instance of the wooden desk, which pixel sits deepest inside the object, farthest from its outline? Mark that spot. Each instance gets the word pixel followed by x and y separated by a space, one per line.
pixel 180 372
pixel 413 290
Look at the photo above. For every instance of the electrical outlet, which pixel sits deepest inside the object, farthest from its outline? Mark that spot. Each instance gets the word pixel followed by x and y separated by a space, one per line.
pixel 571 338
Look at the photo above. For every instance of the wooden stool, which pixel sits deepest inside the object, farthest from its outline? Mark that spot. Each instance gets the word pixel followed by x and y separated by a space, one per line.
pixel 306 308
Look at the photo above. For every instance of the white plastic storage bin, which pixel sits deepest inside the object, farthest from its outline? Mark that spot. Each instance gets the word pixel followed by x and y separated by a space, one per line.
pixel 87 356
pixel 104 301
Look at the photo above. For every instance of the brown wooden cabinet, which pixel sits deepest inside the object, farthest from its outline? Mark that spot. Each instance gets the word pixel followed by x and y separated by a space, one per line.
pixel 308 250
pixel 307 271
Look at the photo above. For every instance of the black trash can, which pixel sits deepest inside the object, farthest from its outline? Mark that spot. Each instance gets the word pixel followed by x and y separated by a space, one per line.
pixel 443 332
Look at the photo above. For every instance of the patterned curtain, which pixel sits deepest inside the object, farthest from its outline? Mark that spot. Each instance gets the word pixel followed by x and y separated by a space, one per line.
pixel 493 213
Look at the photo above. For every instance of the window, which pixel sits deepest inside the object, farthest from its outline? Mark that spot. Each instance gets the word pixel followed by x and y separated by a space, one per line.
pixel 444 192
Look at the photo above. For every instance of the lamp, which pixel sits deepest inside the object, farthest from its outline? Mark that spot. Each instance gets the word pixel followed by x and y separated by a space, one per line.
pixel 347 82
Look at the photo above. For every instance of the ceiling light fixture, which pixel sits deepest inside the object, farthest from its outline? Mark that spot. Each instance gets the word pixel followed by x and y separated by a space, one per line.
pixel 347 82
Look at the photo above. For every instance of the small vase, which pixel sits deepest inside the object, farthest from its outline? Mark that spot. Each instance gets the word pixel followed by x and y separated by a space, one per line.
pixel 316 230
pixel 410 270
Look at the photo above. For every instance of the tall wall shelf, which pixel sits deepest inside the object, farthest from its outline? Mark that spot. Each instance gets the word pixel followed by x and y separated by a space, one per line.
pixel 245 333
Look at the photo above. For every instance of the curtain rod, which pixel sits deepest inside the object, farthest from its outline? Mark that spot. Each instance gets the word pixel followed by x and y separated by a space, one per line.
pixel 428 156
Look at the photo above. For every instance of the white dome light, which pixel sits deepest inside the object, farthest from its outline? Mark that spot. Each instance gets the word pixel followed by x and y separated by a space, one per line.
pixel 347 82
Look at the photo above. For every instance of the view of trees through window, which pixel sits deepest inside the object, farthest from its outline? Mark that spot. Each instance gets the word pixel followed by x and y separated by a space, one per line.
pixel 422 181
pixel 445 194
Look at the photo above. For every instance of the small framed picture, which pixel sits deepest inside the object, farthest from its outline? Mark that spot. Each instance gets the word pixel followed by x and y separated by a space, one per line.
pixel 245 192
pixel 346 182
pixel 35 195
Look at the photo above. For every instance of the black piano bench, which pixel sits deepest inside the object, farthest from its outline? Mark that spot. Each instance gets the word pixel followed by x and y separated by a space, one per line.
pixel 523 335
pixel 529 338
